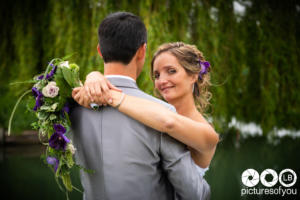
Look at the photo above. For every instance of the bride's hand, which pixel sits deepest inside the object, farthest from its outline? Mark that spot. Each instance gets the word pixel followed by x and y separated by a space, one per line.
pixel 98 88
pixel 80 96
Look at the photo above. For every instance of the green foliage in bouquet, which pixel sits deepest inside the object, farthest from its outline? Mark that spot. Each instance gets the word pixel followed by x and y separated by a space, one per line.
pixel 50 102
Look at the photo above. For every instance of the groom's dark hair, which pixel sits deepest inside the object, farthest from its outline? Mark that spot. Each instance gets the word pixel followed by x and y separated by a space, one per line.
pixel 120 35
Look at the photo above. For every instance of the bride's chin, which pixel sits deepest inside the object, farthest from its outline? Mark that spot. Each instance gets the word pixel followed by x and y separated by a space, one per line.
pixel 167 98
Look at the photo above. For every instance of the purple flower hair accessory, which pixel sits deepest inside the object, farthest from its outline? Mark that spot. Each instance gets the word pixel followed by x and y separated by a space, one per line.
pixel 203 68
pixel 53 161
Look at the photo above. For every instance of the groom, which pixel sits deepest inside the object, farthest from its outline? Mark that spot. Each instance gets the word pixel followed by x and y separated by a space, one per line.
pixel 131 161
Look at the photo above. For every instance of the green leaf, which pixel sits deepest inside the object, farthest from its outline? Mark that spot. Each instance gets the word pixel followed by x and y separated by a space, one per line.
pixel 65 89
pixel 68 56
pixel 75 75
pixel 67 181
pixel 35 125
pixel 52 117
pixel 54 106
pixel 89 171
pixel 44 107
pixel 50 108
pixel 69 159
pixel 71 75
pixel 67 75
pixel 42 115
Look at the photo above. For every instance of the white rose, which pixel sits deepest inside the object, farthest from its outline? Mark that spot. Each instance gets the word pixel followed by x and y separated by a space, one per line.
pixel 65 64
pixel 71 148
pixel 52 83
pixel 51 90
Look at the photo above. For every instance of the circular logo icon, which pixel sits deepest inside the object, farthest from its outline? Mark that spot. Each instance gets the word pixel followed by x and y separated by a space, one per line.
pixel 287 175
pixel 263 177
pixel 250 177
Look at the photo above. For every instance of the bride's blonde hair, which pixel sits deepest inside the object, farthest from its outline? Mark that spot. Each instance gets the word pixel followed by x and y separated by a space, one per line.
pixel 189 57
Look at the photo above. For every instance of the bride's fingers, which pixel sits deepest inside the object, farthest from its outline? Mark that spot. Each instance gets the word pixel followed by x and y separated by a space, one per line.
pixel 101 101
pixel 106 93
pixel 98 91
pixel 75 91
pixel 98 95
pixel 74 94
pixel 76 97
pixel 111 86
pixel 92 89
pixel 88 91
pixel 80 100
pixel 86 102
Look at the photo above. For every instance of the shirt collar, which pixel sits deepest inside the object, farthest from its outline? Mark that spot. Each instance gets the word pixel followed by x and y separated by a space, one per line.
pixel 120 76
pixel 122 81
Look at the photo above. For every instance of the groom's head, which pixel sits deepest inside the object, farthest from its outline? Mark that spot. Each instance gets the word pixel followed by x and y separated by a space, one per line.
pixel 121 35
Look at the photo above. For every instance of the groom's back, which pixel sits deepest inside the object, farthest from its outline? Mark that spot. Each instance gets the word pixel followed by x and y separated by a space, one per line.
pixel 124 153
pixel 131 161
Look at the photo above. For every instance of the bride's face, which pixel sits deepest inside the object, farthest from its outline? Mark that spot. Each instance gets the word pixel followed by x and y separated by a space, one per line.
pixel 171 79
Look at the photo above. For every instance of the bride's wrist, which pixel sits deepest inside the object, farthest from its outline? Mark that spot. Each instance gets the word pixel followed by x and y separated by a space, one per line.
pixel 117 98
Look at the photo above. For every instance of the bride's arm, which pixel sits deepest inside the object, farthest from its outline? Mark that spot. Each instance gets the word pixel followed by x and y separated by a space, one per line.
pixel 198 135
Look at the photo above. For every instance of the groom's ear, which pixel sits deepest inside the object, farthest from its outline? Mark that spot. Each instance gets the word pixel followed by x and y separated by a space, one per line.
pixel 99 52
pixel 141 52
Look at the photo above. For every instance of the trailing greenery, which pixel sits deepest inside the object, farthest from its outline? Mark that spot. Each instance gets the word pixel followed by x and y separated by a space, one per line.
pixel 254 56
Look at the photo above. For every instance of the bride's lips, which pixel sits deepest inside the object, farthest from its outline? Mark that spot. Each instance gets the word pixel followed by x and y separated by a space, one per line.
pixel 165 89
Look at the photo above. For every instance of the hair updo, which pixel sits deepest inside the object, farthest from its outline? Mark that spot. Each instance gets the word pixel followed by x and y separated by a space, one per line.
pixel 188 57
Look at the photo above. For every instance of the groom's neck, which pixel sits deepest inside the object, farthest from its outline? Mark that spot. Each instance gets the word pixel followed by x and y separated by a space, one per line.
pixel 116 68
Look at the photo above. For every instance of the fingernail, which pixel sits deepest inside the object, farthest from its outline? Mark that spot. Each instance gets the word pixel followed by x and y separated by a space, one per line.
pixel 110 101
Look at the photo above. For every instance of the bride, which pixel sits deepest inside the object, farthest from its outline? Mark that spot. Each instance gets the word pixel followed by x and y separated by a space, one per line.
pixel 181 77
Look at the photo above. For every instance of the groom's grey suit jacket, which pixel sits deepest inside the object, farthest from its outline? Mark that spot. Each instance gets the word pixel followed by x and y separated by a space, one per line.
pixel 132 161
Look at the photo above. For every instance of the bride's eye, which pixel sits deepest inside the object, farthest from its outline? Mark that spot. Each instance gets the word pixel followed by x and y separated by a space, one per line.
pixel 156 75
pixel 172 71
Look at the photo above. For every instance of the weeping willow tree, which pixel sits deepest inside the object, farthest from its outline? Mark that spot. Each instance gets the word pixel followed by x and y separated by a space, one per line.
pixel 254 54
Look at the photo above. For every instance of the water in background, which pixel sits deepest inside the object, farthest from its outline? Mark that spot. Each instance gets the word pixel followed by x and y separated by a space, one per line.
pixel 25 176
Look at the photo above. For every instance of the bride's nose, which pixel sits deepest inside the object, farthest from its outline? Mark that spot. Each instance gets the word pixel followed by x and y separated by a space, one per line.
pixel 162 80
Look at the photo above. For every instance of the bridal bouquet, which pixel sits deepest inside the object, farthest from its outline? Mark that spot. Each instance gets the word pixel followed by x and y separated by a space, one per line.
pixel 51 93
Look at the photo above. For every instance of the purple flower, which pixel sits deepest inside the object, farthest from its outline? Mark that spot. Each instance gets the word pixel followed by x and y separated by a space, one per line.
pixel 53 161
pixel 203 68
pixel 38 98
pixel 40 77
pixel 48 76
pixel 66 109
pixel 58 141
pixel 59 128
pixel 52 72
pixel 35 91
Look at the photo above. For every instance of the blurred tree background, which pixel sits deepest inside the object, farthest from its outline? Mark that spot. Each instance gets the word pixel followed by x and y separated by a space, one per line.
pixel 253 47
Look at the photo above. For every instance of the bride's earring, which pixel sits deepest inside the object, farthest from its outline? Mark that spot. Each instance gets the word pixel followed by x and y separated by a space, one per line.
pixel 193 87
